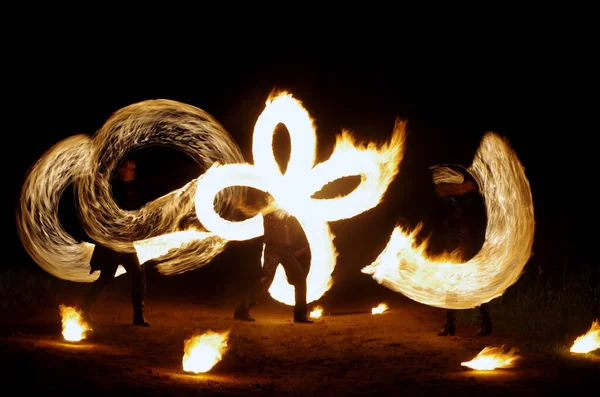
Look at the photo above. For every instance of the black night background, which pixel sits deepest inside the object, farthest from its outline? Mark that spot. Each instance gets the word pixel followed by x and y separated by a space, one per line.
pixel 546 115
pixel 545 108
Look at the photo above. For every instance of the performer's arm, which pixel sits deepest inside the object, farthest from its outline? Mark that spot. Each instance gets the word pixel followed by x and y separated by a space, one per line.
pixel 455 189
pixel 301 252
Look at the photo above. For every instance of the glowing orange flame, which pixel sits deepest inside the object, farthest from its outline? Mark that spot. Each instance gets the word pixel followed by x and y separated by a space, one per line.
pixel 589 341
pixel 87 163
pixel 405 267
pixel 155 247
pixel 316 312
pixel 73 326
pixel 379 309
pixel 491 358
pixel 202 352
pixel 293 190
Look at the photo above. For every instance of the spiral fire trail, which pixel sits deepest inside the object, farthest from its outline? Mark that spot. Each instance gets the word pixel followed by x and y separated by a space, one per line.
pixel 88 163
pixel 405 267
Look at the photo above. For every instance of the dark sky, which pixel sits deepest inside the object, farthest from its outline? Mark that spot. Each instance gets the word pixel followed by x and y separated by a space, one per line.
pixel 541 107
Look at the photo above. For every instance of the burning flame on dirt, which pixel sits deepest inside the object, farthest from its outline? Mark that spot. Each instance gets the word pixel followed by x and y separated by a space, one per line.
pixel 404 266
pixel 293 190
pixel 73 326
pixel 88 162
pixel 491 358
pixel 379 309
pixel 202 352
pixel 316 312
pixel 589 341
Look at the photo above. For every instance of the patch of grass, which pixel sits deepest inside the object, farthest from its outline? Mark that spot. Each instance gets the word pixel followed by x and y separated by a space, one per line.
pixel 550 312
pixel 23 287
pixel 576 359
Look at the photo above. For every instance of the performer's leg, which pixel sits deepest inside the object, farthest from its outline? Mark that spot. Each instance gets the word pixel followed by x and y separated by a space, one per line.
pixel 107 275
pixel 449 327
pixel 300 307
pixel 137 282
pixel 271 261
pixel 297 277
pixel 486 320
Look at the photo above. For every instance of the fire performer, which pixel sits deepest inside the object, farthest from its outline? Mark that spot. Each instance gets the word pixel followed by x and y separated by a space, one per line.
pixel 460 214
pixel 280 247
pixel 107 261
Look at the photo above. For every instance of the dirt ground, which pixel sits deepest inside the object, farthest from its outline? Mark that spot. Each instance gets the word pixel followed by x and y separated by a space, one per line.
pixel 349 351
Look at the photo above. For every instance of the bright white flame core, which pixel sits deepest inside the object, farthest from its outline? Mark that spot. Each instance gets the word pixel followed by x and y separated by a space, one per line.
pixel 491 358
pixel 404 267
pixel 377 167
pixel 74 327
pixel 202 352
pixel 316 312
pixel 589 341
pixel 379 308
pixel 89 161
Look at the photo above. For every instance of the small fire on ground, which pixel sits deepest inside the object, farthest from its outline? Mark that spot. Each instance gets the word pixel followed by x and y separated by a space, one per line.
pixel 316 312
pixel 589 341
pixel 202 352
pixel 491 358
pixel 73 325
pixel 379 309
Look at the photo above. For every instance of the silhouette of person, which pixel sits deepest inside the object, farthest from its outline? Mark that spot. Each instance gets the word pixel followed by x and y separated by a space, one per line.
pixel 280 231
pixel 460 216
pixel 107 261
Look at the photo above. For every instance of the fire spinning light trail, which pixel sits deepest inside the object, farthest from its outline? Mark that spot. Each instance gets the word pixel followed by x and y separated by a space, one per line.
pixel 89 161
pixel 292 190
pixel 404 267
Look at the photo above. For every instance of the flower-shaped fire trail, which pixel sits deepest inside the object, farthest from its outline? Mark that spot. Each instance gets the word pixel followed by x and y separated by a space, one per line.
pixel 293 189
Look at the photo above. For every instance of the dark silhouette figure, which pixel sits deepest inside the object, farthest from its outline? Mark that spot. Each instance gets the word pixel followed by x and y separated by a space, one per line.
pixel 460 219
pixel 280 231
pixel 107 261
